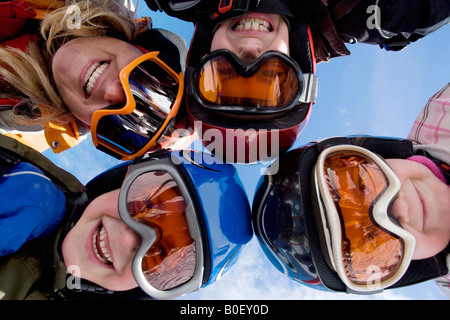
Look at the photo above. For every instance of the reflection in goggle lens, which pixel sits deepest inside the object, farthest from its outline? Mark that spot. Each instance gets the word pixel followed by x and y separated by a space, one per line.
pixel 355 183
pixel 154 92
pixel 271 85
pixel 154 199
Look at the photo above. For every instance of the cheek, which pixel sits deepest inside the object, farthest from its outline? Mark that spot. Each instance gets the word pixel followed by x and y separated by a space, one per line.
pixel 68 249
pixel 220 40
pixel 65 63
pixel 58 64
pixel 78 110
pixel 428 244
pixel 58 70
pixel 74 249
pixel 66 85
pixel 281 42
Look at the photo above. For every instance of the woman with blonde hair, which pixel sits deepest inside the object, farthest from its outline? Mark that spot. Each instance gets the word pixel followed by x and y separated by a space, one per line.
pixel 36 68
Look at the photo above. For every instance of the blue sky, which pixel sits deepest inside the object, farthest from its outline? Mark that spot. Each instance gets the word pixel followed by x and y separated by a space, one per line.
pixel 369 92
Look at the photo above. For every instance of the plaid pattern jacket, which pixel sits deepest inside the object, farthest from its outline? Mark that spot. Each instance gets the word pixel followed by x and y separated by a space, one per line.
pixel 432 131
pixel 432 125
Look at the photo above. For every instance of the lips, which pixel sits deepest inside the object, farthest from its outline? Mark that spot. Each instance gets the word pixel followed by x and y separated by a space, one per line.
pixel 100 246
pixel 92 74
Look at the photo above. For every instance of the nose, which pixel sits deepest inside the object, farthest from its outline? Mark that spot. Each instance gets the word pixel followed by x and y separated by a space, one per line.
pixel 249 52
pixel 129 240
pixel 400 209
pixel 114 93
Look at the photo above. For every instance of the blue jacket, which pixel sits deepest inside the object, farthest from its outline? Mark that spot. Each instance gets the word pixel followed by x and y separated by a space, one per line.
pixel 31 207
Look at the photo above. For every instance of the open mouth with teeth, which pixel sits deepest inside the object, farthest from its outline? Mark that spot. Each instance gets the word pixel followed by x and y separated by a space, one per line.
pixel 252 24
pixel 92 75
pixel 99 243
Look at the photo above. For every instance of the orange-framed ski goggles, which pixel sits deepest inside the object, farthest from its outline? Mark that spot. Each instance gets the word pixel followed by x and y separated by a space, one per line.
pixel 362 241
pixel 153 93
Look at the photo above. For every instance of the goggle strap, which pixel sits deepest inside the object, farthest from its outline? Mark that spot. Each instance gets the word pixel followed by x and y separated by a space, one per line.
pixel 323 144
pixel 348 290
pixel 310 85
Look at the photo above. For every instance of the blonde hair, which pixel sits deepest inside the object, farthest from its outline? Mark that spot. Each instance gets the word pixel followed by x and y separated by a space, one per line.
pixel 27 75
pixel 24 77
pixel 97 18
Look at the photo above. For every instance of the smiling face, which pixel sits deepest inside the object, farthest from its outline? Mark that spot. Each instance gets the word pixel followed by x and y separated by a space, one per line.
pixel 422 207
pixel 102 245
pixel 251 35
pixel 86 73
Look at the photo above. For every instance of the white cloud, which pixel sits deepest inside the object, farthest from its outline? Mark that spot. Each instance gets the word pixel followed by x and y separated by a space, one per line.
pixel 342 111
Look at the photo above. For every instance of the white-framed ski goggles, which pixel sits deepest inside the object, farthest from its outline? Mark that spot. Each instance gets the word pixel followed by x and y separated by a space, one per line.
pixel 155 202
pixel 361 241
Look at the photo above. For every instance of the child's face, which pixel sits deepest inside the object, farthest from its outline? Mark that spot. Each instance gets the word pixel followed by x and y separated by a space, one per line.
pixel 102 246
pixel 251 35
pixel 422 207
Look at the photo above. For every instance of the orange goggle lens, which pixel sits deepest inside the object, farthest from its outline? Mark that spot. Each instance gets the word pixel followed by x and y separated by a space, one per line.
pixel 270 84
pixel 154 199
pixel 355 183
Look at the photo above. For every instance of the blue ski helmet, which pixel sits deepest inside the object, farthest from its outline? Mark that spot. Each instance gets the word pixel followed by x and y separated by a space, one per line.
pixel 215 230
pixel 287 221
